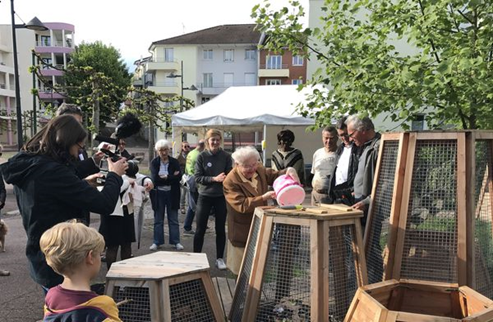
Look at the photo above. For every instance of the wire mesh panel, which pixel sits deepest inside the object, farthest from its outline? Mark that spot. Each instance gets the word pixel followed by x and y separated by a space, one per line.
pixel 285 292
pixel 189 302
pixel 137 309
pixel 382 203
pixel 430 242
pixel 238 304
pixel 342 271
pixel 483 238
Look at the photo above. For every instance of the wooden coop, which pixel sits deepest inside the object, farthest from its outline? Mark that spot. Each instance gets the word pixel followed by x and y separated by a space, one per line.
pixel 410 301
pixel 300 265
pixel 164 286
pixel 431 212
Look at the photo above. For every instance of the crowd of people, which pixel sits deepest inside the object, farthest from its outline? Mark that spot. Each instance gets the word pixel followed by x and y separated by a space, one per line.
pixel 56 181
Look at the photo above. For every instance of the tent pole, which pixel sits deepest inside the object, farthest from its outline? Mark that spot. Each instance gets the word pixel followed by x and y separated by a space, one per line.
pixel 264 146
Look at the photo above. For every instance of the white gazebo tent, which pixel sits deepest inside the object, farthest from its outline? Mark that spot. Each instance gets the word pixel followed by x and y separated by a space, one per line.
pixel 254 108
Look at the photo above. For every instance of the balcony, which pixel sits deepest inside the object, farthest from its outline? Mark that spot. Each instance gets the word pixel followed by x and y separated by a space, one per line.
pixel 269 71
pixel 165 88
pixel 162 65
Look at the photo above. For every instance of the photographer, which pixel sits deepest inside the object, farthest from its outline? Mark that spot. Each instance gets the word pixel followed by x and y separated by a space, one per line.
pixel 48 190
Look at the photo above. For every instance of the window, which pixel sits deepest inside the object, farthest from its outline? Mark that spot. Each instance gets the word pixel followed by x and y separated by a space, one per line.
pixel 228 79
pixel 250 54
pixel 207 54
pixel 297 61
pixel 274 62
pixel 250 79
pixel 207 80
pixel 229 55
pixel 296 81
pixel 169 54
pixel 273 82
pixel 45 41
pixel 46 61
pixel 418 124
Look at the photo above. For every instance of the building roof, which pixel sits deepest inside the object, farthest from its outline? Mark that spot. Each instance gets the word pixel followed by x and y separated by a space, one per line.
pixel 225 34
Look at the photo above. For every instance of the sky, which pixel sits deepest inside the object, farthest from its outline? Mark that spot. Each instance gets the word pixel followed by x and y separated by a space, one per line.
pixel 131 26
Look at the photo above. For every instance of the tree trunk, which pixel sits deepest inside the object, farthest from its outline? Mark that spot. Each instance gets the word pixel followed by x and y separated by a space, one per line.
pixel 95 114
pixel 150 149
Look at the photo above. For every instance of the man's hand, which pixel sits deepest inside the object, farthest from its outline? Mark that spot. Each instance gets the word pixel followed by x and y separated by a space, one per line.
pixel 359 206
pixel 97 157
pixel 93 179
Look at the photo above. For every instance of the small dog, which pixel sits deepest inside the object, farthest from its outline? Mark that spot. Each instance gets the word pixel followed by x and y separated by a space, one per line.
pixel 3 231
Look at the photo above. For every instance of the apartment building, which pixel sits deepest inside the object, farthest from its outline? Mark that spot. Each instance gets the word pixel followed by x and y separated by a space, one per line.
pixel 211 60
pixel 280 68
pixel 54 47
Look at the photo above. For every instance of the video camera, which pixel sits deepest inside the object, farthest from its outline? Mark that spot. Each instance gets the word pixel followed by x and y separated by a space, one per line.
pixel 127 126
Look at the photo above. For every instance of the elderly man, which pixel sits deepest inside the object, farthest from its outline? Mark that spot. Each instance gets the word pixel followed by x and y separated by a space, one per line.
pixel 361 131
pixel 323 165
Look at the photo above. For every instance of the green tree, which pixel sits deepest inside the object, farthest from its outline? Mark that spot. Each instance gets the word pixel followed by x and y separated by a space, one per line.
pixel 447 76
pixel 96 78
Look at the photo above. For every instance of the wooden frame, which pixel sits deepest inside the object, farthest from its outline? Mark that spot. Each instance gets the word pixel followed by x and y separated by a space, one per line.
pixel 409 300
pixel 318 220
pixel 466 206
pixel 160 271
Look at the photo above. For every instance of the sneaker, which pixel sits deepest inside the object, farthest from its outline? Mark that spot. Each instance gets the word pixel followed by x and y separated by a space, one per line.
pixel 220 264
pixel 153 247
pixel 183 211
pixel 189 232
pixel 179 246
pixel 4 272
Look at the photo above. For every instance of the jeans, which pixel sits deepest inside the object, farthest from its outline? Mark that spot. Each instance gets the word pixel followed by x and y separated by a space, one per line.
pixel 164 204
pixel 192 204
pixel 183 196
pixel 204 206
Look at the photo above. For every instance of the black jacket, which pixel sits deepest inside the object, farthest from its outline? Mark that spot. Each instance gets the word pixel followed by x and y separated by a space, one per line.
pixel 172 180
pixel 49 192
pixel 208 166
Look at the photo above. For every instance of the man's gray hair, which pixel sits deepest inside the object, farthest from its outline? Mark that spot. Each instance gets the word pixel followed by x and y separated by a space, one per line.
pixel 242 154
pixel 360 123
pixel 161 144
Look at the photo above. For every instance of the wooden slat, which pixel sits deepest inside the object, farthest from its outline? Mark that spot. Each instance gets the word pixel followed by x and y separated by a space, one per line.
pixel 437 135
pixel 319 300
pixel 165 301
pixel 462 186
pixel 155 304
pixel 359 254
pixel 212 296
pixel 469 228
pixel 258 268
pixel 402 220
pixel 400 171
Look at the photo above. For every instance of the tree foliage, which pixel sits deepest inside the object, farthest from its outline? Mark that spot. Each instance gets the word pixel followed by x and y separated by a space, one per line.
pixel 97 72
pixel 401 58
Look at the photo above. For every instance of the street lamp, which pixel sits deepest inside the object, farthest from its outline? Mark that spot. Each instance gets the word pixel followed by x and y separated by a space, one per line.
pixel 34 24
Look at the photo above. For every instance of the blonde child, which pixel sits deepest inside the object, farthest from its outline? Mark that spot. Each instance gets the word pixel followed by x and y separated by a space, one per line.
pixel 74 251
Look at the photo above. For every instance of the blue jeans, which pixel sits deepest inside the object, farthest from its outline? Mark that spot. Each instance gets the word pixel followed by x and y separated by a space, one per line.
pixel 192 204
pixel 164 204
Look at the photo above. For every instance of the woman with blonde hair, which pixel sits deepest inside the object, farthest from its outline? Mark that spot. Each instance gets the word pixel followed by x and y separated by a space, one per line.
pixel 213 164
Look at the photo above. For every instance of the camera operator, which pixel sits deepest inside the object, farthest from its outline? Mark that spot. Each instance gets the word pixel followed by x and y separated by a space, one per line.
pixel 86 165
pixel 48 190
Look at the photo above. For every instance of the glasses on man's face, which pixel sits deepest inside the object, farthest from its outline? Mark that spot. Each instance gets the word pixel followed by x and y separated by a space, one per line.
pixel 186 146
pixel 350 135
pixel 82 147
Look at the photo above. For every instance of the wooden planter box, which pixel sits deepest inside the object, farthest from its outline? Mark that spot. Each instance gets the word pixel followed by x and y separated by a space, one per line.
pixel 410 300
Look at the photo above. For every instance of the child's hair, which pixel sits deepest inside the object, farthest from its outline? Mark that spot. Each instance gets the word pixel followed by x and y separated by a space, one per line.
pixel 67 244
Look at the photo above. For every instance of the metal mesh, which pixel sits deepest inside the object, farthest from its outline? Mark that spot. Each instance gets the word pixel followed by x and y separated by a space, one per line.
pixel 189 302
pixel 483 240
pixel 285 292
pixel 430 243
pixel 342 271
pixel 138 309
pixel 379 226
pixel 241 288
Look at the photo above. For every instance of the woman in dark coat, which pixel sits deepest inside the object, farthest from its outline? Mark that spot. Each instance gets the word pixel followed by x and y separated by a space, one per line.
pixel 165 197
pixel 48 190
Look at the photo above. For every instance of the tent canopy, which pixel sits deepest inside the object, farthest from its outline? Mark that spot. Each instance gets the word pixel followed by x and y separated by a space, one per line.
pixel 246 108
